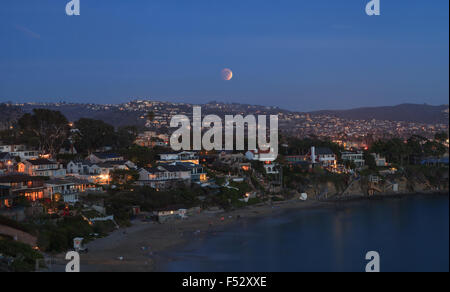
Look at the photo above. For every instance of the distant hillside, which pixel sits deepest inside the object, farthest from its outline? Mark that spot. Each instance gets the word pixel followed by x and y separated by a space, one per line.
pixel 421 113
pixel 74 112
pixel 117 116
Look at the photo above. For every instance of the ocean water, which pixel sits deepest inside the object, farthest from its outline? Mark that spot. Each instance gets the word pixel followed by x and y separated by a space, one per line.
pixel 411 234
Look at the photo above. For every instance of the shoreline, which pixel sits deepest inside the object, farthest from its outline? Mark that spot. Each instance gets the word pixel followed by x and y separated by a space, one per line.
pixel 354 198
pixel 148 246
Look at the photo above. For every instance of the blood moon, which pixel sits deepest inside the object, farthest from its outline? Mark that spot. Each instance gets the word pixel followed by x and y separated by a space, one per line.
pixel 227 74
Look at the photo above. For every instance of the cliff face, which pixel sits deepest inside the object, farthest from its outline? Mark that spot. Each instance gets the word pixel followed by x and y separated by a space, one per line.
pixel 385 186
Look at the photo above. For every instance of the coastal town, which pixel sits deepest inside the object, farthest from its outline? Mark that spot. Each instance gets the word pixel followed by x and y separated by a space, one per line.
pixel 296 124
pixel 224 144
pixel 67 183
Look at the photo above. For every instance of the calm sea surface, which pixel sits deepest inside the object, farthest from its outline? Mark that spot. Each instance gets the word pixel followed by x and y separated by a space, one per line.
pixel 410 234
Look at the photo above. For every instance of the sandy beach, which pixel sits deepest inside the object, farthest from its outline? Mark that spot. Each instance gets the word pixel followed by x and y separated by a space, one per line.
pixel 146 246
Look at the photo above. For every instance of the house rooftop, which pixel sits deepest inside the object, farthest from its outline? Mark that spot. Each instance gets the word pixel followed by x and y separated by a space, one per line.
pixel 167 168
pixel 324 151
pixel 187 165
pixel 111 164
pixel 41 162
pixel 152 170
pixel 175 168
pixel 83 162
pixel 59 182
pixel 103 155
pixel 4 155
pixel 178 153
pixel 17 178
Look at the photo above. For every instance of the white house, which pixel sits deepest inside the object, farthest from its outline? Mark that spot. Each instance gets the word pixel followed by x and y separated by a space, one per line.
pixel 198 172
pixel 323 156
pixel 260 155
pixel 230 158
pixel 169 215
pixel 164 175
pixel 100 157
pixel 191 157
pixel 356 157
pixel 21 151
pixel 79 167
pixel 271 168
pixel 97 172
pixel 380 160
pixel 69 189
pixel 42 167
pixel 85 167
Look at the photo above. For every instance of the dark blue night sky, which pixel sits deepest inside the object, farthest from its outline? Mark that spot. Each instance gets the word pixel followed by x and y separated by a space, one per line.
pixel 296 54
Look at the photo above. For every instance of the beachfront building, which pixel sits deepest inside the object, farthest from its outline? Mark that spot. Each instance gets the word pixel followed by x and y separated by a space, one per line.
pixel 171 213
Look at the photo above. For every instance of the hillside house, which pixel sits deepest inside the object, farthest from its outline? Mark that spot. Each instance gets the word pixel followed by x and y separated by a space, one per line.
pixel 97 172
pixel 380 161
pixel 198 172
pixel 6 162
pixel 68 189
pixel 293 159
pixel 164 176
pixel 100 157
pixel 260 155
pixel 230 158
pixel 5 197
pixel 30 187
pixel 356 157
pixel 189 157
pixel 21 151
pixel 322 156
pixel 41 167
pixel 271 168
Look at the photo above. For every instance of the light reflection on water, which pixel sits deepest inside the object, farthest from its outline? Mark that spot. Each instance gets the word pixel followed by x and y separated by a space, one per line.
pixel 411 234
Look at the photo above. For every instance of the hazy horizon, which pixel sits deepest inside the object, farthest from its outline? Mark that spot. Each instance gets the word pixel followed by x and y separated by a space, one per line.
pixel 224 102
pixel 298 55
